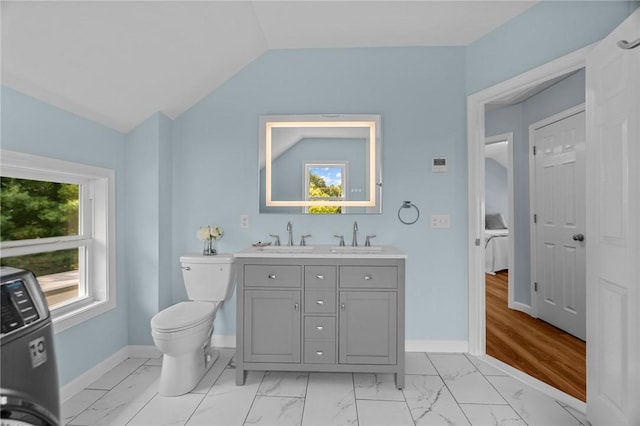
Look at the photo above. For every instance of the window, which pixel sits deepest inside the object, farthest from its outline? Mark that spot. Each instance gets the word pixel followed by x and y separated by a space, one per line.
pixel 57 220
pixel 325 182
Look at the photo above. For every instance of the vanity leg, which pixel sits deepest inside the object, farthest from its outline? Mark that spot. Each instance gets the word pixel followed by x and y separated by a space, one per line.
pixel 400 380
pixel 239 376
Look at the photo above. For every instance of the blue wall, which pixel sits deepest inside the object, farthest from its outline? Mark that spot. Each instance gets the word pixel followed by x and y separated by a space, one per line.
pixel 495 189
pixel 517 119
pixel 542 33
pixel 34 127
pixel 148 210
pixel 420 93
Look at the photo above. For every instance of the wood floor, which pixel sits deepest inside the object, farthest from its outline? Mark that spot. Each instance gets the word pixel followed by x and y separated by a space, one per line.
pixel 531 345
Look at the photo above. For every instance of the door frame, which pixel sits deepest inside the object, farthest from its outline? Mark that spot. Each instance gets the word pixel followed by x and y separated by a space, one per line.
pixel 475 191
pixel 532 193
pixel 511 303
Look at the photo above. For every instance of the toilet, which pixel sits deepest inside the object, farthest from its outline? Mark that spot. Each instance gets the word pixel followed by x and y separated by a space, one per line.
pixel 182 332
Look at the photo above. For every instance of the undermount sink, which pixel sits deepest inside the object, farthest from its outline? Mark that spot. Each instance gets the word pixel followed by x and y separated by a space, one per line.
pixel 288 249
pixel 357 249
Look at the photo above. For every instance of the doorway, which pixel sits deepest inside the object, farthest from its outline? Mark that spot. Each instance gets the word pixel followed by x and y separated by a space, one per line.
pixel 518 89
pixel 551 189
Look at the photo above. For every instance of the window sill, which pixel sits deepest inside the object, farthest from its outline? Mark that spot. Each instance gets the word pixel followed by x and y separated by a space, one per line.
pixel 87 309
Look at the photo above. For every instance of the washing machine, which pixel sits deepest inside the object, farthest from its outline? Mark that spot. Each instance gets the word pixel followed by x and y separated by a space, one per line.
pixel 29 392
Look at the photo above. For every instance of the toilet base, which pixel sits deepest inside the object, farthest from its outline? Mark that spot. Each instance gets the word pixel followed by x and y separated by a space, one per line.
pixel 180 374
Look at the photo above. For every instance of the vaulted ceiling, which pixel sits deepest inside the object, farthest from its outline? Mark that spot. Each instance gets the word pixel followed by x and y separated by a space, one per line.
pixel 118 62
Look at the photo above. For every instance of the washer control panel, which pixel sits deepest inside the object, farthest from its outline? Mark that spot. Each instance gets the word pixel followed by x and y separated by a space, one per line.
pixel 18 308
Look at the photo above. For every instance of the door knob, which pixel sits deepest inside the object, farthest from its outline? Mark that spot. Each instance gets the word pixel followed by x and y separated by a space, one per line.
pixel 578 237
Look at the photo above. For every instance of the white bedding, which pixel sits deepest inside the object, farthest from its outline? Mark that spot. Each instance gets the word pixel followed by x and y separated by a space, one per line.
pixel 496 250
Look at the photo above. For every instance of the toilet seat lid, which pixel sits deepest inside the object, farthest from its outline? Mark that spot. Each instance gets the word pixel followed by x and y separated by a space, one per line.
pixel 183 315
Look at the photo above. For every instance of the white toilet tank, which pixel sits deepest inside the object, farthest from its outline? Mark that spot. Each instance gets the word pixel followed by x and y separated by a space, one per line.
pixel 208 278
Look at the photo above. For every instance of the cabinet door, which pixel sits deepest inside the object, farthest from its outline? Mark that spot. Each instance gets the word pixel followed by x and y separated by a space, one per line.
pixel 367 327
pixel 272 326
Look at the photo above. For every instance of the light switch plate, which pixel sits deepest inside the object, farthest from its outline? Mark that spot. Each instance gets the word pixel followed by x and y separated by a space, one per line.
pixel 440 221
pixel 244 221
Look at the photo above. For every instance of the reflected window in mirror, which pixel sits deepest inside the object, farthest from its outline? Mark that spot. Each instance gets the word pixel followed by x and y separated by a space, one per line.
pixel 326 182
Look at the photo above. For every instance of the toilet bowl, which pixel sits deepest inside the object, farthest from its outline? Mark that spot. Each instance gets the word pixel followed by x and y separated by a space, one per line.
pixel 182 332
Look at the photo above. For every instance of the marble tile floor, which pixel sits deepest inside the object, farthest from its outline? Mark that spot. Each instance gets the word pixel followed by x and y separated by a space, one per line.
pixel 441 389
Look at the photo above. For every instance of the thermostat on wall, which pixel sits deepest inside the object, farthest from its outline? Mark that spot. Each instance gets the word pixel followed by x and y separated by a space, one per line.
pixel 439 165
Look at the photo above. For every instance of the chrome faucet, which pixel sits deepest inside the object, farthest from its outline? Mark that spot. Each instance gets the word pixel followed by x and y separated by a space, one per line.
pixel 303 241
pixel 290 230
pixel 354 241
pixel 367 242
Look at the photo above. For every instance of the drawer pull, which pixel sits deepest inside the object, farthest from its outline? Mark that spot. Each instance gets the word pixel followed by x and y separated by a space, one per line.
pixel 320 327
pixel 367 277
pixel 320 277
pixel 272 276
pixel 320 302
pixel 319 353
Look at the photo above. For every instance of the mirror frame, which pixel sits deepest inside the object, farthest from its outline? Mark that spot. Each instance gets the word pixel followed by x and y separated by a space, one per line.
pixel 373 124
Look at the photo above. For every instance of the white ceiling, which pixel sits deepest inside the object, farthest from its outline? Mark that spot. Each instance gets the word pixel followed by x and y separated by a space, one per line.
pixel 119 62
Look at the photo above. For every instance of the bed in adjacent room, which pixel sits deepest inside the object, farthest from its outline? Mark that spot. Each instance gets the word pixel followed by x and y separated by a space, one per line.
pixel 496 243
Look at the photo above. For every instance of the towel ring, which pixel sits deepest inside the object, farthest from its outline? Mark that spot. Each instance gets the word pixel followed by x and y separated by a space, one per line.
pixel 408 205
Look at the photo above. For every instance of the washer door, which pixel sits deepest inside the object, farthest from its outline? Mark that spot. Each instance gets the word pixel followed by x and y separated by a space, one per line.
pixel 19 412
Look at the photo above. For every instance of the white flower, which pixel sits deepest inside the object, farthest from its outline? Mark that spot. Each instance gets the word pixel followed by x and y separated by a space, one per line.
pixel 203 233
pixel 210 233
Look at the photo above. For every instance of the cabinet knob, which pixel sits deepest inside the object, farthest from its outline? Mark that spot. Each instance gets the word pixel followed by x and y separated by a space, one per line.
pixel 367 277
pixel 320 302
pixel 272 276
pixel 343 306
pixel 320 277
pixel 319 353
pixel 295 306
pixel 320 327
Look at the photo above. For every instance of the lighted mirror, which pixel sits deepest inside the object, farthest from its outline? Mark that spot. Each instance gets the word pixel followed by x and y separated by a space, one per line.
pixel 320 164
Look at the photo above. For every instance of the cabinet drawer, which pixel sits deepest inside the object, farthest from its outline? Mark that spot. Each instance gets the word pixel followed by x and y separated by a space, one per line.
pixel 272 276
pixel 319 302
pixel 320 351
pixel 320 277
pixel 368 277
pixel 320 328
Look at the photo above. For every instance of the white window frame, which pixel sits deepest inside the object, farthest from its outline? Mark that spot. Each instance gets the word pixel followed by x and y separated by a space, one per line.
pixel 344 165
pixel 97 233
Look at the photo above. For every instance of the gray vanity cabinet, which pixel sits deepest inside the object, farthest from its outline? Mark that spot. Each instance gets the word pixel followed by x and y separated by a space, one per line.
pixel 367 327
pixel 272 325
pixel 323 313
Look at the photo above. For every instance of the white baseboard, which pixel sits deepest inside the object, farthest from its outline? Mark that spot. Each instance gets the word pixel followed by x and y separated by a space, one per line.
pixel 554 393
pixel 220 341
pixel 455 346
pixel 517 306
pixel 93 374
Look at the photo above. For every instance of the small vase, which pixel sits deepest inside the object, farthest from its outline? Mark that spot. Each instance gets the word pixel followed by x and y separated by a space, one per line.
pixel 209 248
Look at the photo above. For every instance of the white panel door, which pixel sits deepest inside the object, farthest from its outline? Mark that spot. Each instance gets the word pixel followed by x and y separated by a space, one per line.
pixel 613 230
pixel 560 228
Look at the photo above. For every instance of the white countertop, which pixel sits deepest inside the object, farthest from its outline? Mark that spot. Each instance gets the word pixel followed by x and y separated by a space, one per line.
pixel 323 251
